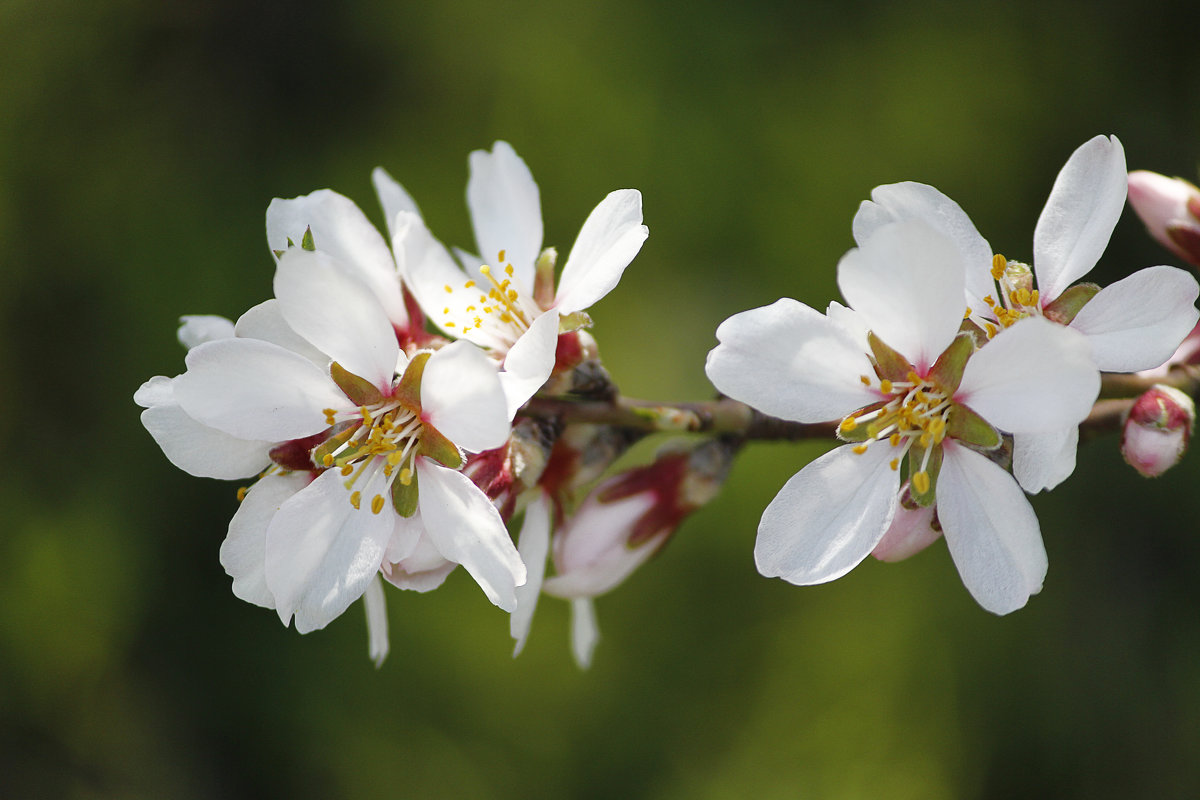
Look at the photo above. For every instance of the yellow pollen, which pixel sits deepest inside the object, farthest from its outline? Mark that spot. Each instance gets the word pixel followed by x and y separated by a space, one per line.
pixel 355 499
pixel 469 285
pixel 967 313
pixel 366 415
pixel 377 504
pixel 991 330
pixel 860 448
pixel 327 459
pixel 508 270
pixel 450 325
pixel 920 481
pixel 241 493
pixel 865 380
pixel 406 476
pixel 885 386
pixel 848 424
pixel 446 310
pixel 347 469
pixel 999 262
pixel 1033 298
pixel 447 288
pixel 894 464
pixel 914 377
pixel 894 440
pixel 500 256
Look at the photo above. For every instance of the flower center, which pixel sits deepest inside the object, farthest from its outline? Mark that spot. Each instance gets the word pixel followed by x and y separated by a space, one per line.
pixel 913 413
pixel 381 437
pixel 499 306
pixel 1017 297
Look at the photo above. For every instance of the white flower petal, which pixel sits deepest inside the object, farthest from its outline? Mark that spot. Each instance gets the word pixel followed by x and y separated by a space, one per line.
pixel 200 450
pixel 533 545
pixel 911 532
pixel 244 551
pixel 907 282
pixel 1032 378
pixel 790 361
pixel 506 209
pixel 585 631
pixel 1044 460
pixel 466 528
pixel 377 624
pixel 829 516
pixel 609 239
pixel 338 313
pixel 592 553
pixel 991 531
pixel 265 321
pixel 908 200
pixel 200 328
pixel 322 551
pixel 1137 322
pixel 256 390
pixel 1080 214
pixel 462 397
pixel 421 570
pixel 392 198
pixel 340 229
pixel 530 360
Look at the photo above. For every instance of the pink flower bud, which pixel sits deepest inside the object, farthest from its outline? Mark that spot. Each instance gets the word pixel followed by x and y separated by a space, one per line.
pixel 1170 208
pixel 1157 430
pixel 914 528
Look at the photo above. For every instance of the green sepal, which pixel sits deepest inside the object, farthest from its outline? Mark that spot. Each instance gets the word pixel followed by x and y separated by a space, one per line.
pixel 291 244
pixel 279 253
pixel 408 393
pixel 888 363
pixel 968 427
pixel 439 448
pixel 569 323
pixel 916 455
pixel 1069 303
pixel 543 278
pixel 947 371
pixel 341 433
pixel 360 391
pixel 404 498
pixel 307 242
pixel 859 433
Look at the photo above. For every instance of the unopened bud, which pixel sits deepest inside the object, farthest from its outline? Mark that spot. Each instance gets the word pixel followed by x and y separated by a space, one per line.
pixel 1157 430
pixel 1170 208
pixel 914 528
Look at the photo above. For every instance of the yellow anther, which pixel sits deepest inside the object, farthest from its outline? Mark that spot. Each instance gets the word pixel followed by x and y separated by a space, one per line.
pixel 860 448
pixel 469 309
pixel 327 459
pixel 924 440
pixel 848 424
pixel 885 386
pixel 991 329
pixel 1033 298
pixel 450 325
pixel 406 476
pixel 447 288
pixel 512 294
pixel 366 414
pixel 914 378
pixel 500 257
pixel 355 498
pixel 478 322
pixel 506 317
pixel 347 469
pixel 865 380
pixel 508 269
pixel 999 262
pixel 446 310
pixel 967 313
pixel 920 482
pixel 469 285
pixel 241 493
pixel 894 440
pixel 377 504
pixel 894 464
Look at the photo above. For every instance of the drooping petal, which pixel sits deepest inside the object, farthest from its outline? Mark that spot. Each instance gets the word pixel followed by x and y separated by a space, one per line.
pixel 1137 322
pixel 533 545
pixel 593 554
pixel 529 362
pixel 340 229
pixel 200 328
pixel 907 282
pixel 1044 460
pixel 908 200
pixel 322 551
pixel 338 313
pixel 200 450
pixel 991 531
pixel 829 516
pixel 421 570
pixel 462 397
pixel 506 209
pixel 244 551
pixel 467 529
pixel 911 532
pixel 265 321
pixel 609 239
pixel 377 624
pixel 790 361
pixel 1079 215
pixel 1032 378
pixel 256 390
pixel 585 631
pixel 392 198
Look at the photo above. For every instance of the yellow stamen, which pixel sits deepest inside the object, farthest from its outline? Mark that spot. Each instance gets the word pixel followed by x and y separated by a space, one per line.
pixel 377 504
pixel 885 386
pixel 241 493
pixel 355 499
pixel 999 262
pixel 860 448
pixel 848 424
pixel 920 482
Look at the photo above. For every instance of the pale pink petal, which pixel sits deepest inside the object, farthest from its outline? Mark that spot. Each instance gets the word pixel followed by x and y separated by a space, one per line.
pixel 829 516
pixel 1034 377
pixel 422 570
pixel 338 313
pixel 609 239
pixel 196 448
pixel 529 362
pixel 466 528
pixel 592 554
pixel 911 532
pixel 907 282
pixel 533 545
pixel 244 551
pixel 322 551
pixel 265 321
pixel 392 198
pixel 585 631
pixel 1137 322
pixel 200 328
pixel 340 229
pixel 991 531
pixel 908 200
pixel 377 624
pixel 506 209
pixel 1080 214
pixel 462 397
pixel 790 361
pixel 252 389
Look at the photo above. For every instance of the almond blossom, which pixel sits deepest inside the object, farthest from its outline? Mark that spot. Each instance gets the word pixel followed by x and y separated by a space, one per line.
pixel 910 392
pixel 504 299
pixel 367 446
pixel 1133 324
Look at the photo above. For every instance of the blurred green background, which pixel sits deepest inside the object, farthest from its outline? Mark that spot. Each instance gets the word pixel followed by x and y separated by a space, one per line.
pixel 140 143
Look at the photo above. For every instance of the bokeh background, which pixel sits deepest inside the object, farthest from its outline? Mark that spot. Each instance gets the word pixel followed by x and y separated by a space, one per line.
pixel 140 143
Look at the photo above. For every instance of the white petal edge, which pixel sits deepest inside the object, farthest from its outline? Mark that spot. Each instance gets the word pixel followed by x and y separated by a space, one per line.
pixel 1139 321
pixel 1080 214
pixel 585 631
pixel 790 361
pixel 375 604
pixel 533 545
pixel 265 321
pixel 462 397
pixel 529 362
pixel 244 551
pixel 466 528
pixel 610 238
pixel 1042 461
pixel 828 517
pixel 506 209
pixel 200 328
pixel 200 450
pixel 991 530
pixel 392 198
